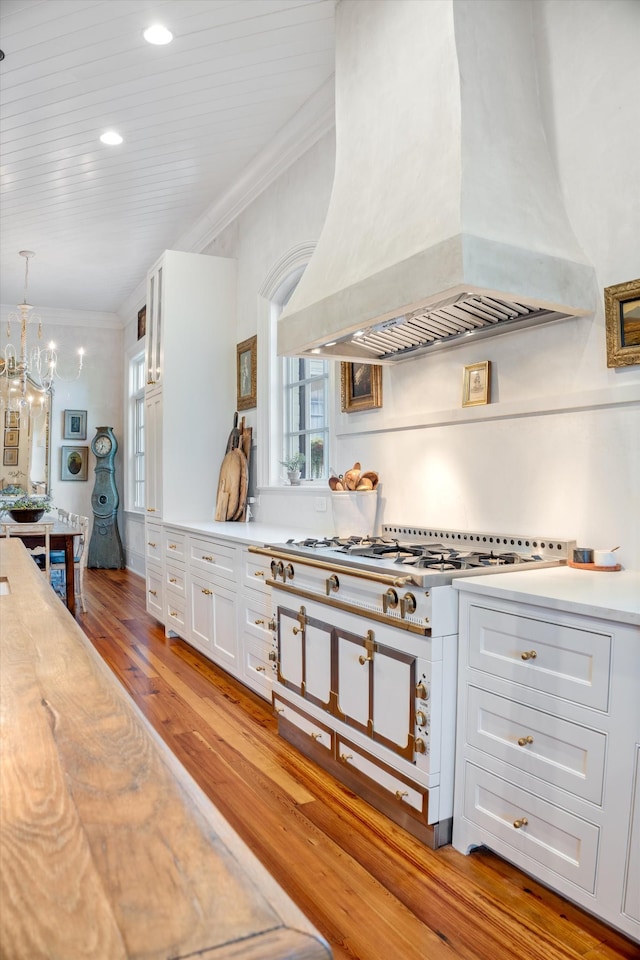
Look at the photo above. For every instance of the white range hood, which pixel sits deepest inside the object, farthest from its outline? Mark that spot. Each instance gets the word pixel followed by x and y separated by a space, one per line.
pixel 446 218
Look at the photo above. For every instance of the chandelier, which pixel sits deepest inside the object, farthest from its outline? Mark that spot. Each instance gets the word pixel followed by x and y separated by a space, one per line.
pixel 39 365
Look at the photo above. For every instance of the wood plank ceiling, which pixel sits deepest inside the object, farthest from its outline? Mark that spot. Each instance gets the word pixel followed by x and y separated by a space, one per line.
pixel 193 114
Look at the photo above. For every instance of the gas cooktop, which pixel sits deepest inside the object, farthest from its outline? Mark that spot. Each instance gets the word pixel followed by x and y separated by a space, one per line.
pixel 426 554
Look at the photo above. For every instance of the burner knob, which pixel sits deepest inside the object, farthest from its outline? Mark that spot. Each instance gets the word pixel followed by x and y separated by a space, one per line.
pixel 389 599
pixel 421 692
pixel 280 569
pixel 289 572
pixel 408 604
pixel 274 569
pixel 332 583
pixel 421 718
pixel 420 746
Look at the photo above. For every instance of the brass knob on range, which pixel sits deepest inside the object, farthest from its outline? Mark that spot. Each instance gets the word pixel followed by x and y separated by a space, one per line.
pixel 289 572
pixel 389 600
pixel 332 584
pixel 420 746
pixel 421 718
pixel 408 604
pixel 422 692
pixel 280 569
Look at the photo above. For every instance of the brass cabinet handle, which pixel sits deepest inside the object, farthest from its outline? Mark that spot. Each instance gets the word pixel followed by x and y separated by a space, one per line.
pixel 315 736
pixel 258 573
pixel 528 655
pixel 172 580
pixel 273 655
pixel 278 709
pixel 345 757
pixel 172 546
pixel 153 593
pixel 297 630
pixel 173 613
pixel 260 669
pixel 208 559
pixel 401 793
pixel 523 741
pixel 207 592
pixel 151 509
pixel 362 659
pixel 521 822
pixel 258 622
pixel 149 544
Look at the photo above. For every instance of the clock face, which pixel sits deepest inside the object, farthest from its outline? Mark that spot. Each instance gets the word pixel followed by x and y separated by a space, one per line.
pixel 102 446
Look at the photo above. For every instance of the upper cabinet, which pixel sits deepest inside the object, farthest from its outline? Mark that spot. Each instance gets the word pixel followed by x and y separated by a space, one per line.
pixel 191 382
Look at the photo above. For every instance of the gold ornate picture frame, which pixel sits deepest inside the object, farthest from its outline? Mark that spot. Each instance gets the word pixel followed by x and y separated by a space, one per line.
pixel 622 318
pixel 247 373
pixel 476 384
pixel 360 386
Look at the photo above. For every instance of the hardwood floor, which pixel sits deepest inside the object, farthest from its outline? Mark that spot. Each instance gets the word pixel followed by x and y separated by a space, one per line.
pixel 369 887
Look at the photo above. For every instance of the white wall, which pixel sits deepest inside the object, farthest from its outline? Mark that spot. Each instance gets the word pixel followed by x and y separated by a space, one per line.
pixel 556 452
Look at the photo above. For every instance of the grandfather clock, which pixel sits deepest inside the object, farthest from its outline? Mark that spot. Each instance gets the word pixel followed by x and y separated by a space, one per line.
pixel 105 548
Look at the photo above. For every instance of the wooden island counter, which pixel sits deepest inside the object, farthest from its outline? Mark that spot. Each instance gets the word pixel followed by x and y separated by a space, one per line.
pixel 108 848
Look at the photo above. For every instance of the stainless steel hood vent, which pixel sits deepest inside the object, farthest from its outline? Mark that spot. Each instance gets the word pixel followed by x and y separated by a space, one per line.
pixel 446 218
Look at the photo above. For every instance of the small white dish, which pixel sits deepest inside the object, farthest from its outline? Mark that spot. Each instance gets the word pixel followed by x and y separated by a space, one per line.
pixel 604 558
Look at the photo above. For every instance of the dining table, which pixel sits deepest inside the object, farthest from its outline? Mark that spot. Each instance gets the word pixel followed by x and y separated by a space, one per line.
pixel 60 538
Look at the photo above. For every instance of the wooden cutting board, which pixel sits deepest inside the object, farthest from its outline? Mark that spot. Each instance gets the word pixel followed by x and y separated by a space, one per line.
pixel 233 480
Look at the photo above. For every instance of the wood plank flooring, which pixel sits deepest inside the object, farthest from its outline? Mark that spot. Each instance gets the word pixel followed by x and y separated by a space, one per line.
pixel 370 888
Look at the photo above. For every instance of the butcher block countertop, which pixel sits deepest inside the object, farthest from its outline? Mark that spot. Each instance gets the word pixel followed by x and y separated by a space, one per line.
pixel 108 849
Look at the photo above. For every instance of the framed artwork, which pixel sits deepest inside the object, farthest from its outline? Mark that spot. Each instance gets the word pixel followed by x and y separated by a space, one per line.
pixel 75 425
pixel 74 463
pixel 622 319
pixel 360 386
pixel 142 322
pixel 12 418
pixel 10 457
pixel 476 384
pixel 247 373
pixel 12 438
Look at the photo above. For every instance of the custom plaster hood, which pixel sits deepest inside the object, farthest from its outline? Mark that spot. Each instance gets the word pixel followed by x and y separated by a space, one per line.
pixel 446 218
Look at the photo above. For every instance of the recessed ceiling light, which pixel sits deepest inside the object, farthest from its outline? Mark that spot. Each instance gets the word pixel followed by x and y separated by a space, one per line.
pixel 158 35
pixel 111 138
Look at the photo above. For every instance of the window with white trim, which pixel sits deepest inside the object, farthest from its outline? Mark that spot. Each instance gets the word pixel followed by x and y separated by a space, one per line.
pixel 136 420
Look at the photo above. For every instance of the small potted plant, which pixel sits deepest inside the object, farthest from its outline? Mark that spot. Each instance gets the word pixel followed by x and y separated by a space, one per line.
pixel 28 509
pixel 293 464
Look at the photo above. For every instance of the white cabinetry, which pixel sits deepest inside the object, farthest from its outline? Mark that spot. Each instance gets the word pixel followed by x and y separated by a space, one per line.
pixel 256 626
pixel 548 740
pixel 191 380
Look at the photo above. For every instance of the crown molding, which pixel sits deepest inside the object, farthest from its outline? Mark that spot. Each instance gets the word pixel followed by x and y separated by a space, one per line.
pixel 67 318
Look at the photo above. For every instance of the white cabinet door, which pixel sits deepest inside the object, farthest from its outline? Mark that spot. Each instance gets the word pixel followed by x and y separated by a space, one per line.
pixel 154 326
pixel 155 601
pixel 213 619
pixel 153 454
pixel 632 878
pixel 304 655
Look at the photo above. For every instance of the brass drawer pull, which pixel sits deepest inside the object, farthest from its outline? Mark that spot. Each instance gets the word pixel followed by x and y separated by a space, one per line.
pixel 401 793
pixel 149 544
pixel 260 669
pixel 172 546
pixel 528 655
pixel 258 573
pixel 207 592
pixel 173 613
pixel 523 741
pixel 362 659
pixel 278 709
pixel 297 630
pixel 315 736
pixel 258 622
pixel 208 559
pixel 172 580
pixel 151 509
pixel 522 822
pixel 345 757
pixel 153 593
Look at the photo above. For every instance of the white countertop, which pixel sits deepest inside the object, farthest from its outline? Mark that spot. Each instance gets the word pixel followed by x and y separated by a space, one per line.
pixel 611 595
pixel 254 532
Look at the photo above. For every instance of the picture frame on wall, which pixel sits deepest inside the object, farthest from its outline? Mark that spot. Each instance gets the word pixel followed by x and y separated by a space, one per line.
pixel 12 419
pixel 10 457
pixel 12 438
pixel 247 373
pixel 75 425
pixel 476 384
pixel 74 463
pixel 142 322
pixel 360 386
pixel 622 319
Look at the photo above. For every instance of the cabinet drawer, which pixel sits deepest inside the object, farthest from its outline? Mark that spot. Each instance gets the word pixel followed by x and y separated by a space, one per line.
pixel 154 591
pixel 176 615
pixel 526 825
pixel 175 581
pixel 216 558
pixel 257 617
pixel 255 571
pixel 257 668
pixel 317 731
pixel 564 754
pixel 153 541
pixel 554 658
pixel 414 797
pixel 174 545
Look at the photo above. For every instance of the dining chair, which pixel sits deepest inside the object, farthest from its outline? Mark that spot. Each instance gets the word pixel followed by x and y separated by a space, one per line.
pixel 41 553
pixel 80 552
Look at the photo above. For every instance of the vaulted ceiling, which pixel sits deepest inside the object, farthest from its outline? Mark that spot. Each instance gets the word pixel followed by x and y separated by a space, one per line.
pixel 193 114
